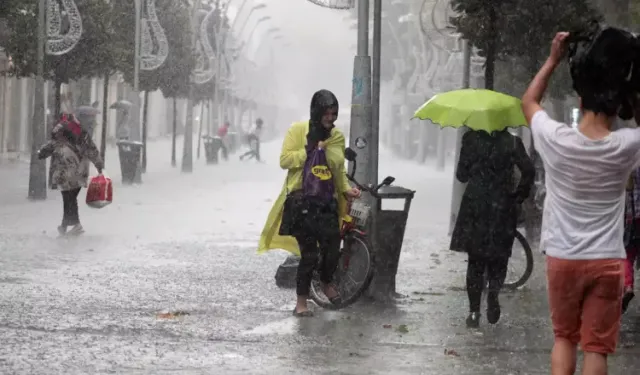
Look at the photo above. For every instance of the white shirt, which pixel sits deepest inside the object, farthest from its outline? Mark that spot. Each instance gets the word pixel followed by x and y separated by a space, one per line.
pixel 585 181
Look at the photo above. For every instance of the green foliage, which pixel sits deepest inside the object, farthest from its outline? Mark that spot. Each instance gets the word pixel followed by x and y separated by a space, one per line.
pixel 634 13
pixel 91 57
pixel 524 31
pixel 174 76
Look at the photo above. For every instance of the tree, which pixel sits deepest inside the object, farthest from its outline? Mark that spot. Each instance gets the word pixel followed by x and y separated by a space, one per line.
pixel 91 57
pixel 482 23
pixel 520 31
pixel 537 23
pixel 172 77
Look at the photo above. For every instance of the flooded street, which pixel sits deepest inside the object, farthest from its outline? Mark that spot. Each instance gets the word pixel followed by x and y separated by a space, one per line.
pixel 167 281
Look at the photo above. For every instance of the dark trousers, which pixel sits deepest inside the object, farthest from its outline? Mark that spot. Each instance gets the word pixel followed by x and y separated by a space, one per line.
pixel 254 145
pixel 70 215
pixel 496 271
pixel 319 234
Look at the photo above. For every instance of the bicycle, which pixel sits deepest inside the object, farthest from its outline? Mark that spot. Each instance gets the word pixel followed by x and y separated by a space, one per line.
pixel 520 249
pixel 520 278
pixel 355 245
pixel 522 246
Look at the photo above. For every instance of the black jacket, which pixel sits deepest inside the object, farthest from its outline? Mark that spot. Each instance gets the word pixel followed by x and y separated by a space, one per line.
pixel 487 219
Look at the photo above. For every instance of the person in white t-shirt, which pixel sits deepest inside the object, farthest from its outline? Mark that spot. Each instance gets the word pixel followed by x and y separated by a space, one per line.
pixel 586 171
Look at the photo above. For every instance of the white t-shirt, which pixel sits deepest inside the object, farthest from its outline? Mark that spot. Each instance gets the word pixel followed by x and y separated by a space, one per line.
pixel 585 180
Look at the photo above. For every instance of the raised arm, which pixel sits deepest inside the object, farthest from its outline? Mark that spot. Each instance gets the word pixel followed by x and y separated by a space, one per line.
pixel 533 96
pixel 293 154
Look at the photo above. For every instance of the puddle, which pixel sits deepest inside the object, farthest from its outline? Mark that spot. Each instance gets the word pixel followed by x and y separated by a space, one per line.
pixel 233 356
pixel 13 280
pixel 287 326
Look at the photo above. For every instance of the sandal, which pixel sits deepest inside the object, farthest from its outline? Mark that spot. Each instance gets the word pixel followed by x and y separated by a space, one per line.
pixel 302 314
pixel 335 300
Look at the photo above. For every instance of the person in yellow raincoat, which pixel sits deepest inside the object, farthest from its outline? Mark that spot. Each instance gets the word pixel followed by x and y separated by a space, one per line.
pixel 315 228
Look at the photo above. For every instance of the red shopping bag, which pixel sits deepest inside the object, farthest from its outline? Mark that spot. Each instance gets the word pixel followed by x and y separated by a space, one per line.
pixel 99 192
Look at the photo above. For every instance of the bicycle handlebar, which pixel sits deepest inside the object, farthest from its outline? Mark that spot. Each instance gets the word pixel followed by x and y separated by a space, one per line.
pixel 373 190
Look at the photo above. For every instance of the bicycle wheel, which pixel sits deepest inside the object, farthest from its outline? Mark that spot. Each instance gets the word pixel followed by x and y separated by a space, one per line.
pixel 353 275
pixel 520 264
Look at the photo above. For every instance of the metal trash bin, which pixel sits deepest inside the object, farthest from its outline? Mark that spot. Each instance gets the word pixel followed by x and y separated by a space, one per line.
pixel 212 146
pixel 130 153
pixel 390 228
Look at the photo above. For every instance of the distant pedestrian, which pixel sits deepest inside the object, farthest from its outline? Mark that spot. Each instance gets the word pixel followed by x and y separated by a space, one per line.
pixel 253 138
pixel 487 220
pixel 222 135
pixel 71 149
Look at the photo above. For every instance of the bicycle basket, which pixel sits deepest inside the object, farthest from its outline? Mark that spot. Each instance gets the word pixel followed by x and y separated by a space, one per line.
pixel 360 213
pixel 335 4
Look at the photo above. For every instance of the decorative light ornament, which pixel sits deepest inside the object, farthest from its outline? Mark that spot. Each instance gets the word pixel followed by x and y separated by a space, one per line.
pixel 58 44
pixel 206 65
pixel 150 29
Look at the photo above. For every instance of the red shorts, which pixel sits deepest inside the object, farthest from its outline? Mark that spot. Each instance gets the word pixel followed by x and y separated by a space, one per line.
pixel 585 298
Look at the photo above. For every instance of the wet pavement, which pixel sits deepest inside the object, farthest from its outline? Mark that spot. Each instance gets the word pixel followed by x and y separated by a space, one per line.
pixel 185 244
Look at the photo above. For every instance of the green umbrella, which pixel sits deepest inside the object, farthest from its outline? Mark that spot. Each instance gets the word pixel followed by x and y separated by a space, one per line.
pixel 474 108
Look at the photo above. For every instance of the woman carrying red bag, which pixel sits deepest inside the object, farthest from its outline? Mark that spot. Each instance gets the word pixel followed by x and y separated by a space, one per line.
pixel 71 150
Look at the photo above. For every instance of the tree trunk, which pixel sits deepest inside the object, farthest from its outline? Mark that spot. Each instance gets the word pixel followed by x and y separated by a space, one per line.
pixel 105 109
pixel 490 63
pixel 145 113
pixel 200 129
pixel 56 117
pixel 175 130
pixel 58 100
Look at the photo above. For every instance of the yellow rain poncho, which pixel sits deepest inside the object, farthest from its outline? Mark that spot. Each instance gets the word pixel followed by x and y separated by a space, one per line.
pixel 292 159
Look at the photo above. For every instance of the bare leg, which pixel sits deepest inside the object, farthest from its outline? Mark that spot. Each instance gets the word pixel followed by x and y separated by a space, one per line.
pixel 563 357
pixel 594 364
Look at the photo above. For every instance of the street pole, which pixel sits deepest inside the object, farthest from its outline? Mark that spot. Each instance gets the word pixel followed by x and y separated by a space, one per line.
pixel 135 95
pixel 375 115
pixel 187 150
pixel 458 187
pixel 360 129
pixel 37 167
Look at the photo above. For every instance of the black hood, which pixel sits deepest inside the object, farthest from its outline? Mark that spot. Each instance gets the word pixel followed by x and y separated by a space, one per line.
pixel 320 102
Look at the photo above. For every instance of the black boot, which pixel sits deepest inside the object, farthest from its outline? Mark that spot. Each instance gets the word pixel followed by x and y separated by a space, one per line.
pixel 473 320
pixel 493 308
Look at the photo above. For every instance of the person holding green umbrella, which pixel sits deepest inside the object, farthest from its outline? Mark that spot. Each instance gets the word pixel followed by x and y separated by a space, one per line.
pixel 486 222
